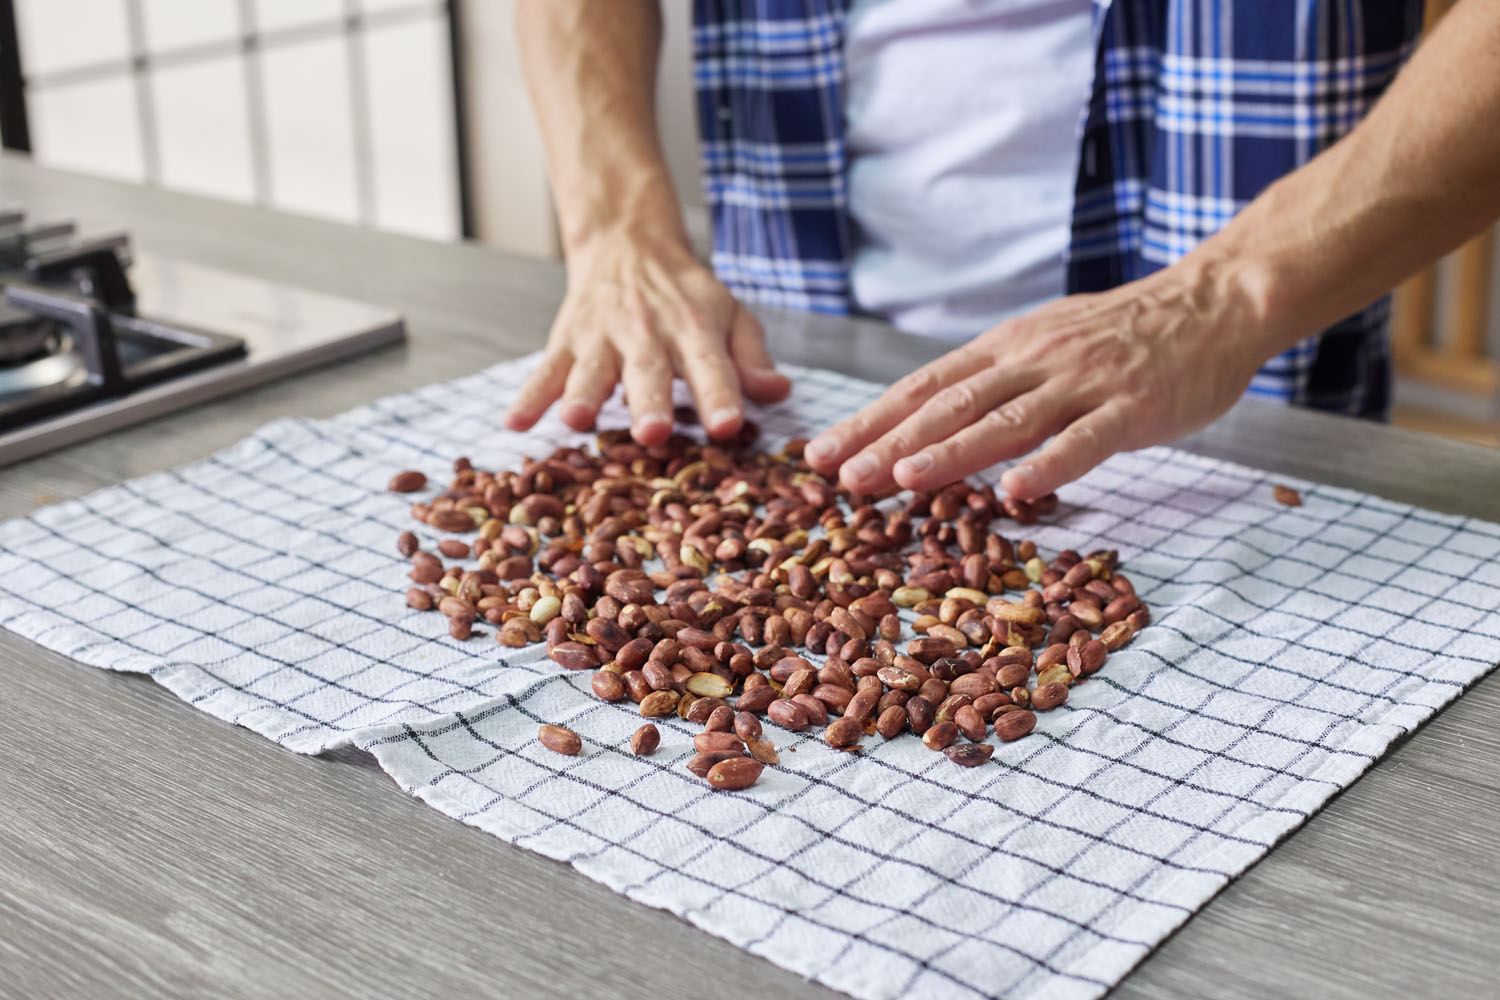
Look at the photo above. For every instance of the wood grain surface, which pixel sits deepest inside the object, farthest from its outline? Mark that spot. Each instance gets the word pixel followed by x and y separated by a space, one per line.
pixel 147 849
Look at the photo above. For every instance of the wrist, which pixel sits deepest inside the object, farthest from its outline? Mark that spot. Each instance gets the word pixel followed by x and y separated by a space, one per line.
pixel 643 211
pixel 1240 292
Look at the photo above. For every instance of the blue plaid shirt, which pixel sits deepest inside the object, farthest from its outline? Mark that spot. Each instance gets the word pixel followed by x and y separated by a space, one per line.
pixel 1196 106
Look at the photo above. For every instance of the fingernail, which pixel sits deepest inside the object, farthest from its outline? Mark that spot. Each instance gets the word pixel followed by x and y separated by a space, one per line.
pixel 719 418
pixel 1026 473
pixel 915 465
pixel 860 468
pixel 653 418
pixel 818 449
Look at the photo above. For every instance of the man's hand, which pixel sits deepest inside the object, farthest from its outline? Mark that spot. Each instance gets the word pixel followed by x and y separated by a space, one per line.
pixel 639 308
pixel 1135 366
pixel 639 311
pixel 1156 358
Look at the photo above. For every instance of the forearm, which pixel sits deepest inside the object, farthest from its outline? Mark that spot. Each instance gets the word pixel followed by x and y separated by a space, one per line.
pixel 591 71
pixel 640 308
pixel 1086 376
pixel 1416 178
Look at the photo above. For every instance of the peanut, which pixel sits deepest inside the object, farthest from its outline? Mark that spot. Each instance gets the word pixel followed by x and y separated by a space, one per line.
pixel 682 574
pixel 645 740
pixel 560 739
pixel 735 773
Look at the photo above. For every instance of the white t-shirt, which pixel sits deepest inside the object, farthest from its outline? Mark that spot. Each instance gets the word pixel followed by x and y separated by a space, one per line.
pixel 962 121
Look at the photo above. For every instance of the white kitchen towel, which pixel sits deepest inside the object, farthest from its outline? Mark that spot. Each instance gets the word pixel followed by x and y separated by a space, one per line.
pixel 1290 647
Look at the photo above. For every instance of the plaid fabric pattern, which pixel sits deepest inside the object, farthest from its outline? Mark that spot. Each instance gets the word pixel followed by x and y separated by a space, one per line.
pixel 769 76
pixel 1196 106
pixel 1290 647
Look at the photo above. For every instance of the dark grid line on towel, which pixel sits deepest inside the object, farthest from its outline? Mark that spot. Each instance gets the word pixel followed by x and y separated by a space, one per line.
pixel 713 839
pixel 517 701
pixel 1148 811
pixel 571 821
pixel 399 624
pixel 285 455
pixel 1327 733
pixel 1162 460
pixel 281 663
pixel 823 836
pixel 292 457
pixel 772 413
pixel 937 762
pixel 1267 525
pixel 418 676
pixel 832 387
pixel 387 557
pixel 1150 738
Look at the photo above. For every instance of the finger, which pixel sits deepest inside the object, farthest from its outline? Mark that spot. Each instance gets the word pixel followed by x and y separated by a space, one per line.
pixel 589 384
pixel 829 450
pixel 1076 449
pixel 541 389
pixel 1011 429
pixel 648 384
pixel 704 362
pixel 988 396
pixel 758 375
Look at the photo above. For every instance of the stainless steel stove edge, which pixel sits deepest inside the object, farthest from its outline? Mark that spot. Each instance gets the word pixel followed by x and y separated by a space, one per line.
pixel 190 390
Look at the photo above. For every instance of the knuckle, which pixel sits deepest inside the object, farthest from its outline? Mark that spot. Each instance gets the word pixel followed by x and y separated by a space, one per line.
pixel 915 387
pixel 857 426
pixel 1084 437
pixel 697 323
pixel 963 398
pixel 650 364
pixel 589 384
pixel 1012 418
pixel 560 338
pixel 554 363
pixel 948 453
pixel 897 444
pixel 590 372
pixel 706 356
pixel 634 305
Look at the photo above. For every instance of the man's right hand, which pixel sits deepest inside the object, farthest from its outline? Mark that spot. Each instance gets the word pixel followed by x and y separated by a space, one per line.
pixel 640 308
pixel 641 311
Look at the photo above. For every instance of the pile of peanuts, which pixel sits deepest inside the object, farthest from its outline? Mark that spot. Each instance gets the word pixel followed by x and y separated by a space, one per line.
pixel 755 561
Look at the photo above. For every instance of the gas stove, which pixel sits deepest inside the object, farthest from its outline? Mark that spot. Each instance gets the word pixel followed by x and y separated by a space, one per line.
pixel 93 337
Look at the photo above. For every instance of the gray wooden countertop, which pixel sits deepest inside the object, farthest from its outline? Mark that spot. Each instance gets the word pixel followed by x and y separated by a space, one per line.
pixel 147 849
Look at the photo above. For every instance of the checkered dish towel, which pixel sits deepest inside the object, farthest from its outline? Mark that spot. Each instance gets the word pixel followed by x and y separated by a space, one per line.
pixel 1290 647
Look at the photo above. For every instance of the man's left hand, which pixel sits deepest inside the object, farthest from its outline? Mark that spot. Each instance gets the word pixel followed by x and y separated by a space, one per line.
pixel 1135 366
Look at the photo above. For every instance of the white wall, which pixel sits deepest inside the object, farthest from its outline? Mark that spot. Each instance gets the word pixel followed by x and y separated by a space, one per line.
pixel 508 172
pixel 510 198
pixel 677 115
pixel 351 125
pixel 336 108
